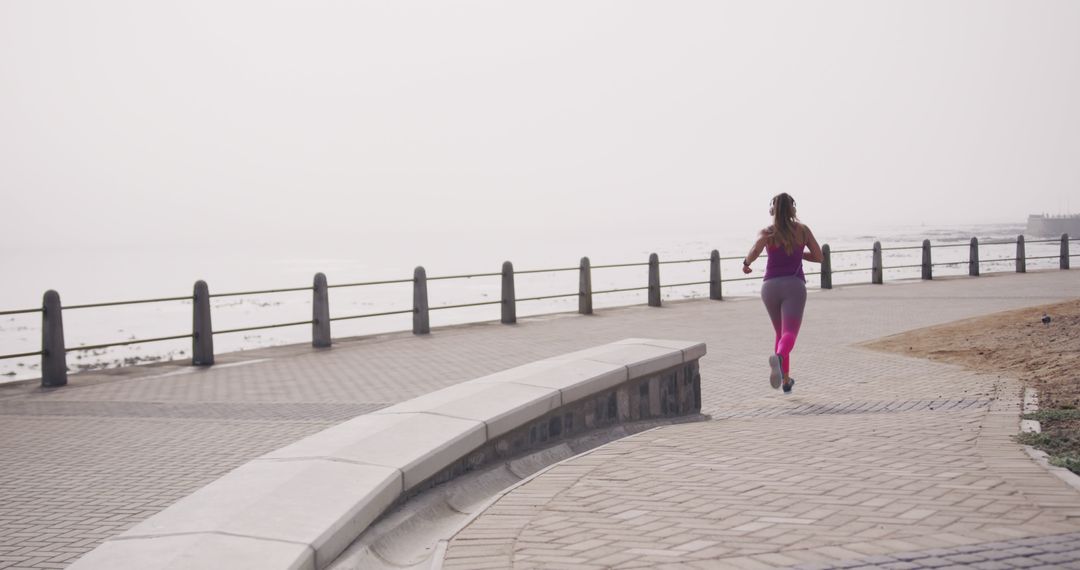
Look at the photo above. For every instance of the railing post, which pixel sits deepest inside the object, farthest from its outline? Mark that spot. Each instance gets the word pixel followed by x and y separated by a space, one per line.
pixel 509 301
pixel 973 257
pixel 716 291
pixel 826 267
pixel 1021 255
pixel 927 264
pixel 202 339
pixel 53 351
pixel 654 280
pixel 320 313
pixel 584 301
pixel 420 322
pixel 1064 251
pixel 877 273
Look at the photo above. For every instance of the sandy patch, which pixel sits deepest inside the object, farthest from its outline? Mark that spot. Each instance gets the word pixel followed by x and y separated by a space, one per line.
pixel 1018 344
pixel 1015 343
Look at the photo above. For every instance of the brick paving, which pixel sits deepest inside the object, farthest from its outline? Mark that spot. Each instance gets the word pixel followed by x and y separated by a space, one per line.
pixel 876 461
pixel 85 462
pixel 1043 552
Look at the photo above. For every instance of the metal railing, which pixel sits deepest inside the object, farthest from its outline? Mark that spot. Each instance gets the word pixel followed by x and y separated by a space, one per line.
pixel 53 351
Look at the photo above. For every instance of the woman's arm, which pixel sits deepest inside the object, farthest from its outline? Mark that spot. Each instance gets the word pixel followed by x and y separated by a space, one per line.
pixel 755 251
pixel 814 254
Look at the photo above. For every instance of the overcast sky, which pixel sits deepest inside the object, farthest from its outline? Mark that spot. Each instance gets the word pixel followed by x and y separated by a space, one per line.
pixel 162 122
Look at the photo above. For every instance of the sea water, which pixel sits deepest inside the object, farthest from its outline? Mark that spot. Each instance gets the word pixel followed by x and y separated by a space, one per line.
pixel 85 275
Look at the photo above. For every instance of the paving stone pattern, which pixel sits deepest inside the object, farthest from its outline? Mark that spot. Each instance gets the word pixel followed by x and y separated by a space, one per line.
pixel 82 463
pixel 317 412
pixel 1043 552
pixel 857 408
pixel 874 456
pixel 69 483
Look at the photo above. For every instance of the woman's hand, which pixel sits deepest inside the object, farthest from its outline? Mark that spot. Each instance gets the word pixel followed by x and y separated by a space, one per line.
pixel 746 269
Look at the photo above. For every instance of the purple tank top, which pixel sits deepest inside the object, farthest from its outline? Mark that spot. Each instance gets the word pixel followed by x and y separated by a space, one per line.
pixel 783 264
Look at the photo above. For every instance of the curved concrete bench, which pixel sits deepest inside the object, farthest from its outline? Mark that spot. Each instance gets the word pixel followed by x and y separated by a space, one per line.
pixel 299 507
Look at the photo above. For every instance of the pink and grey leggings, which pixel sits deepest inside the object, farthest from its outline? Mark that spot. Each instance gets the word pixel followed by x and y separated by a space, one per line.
pixel 785 299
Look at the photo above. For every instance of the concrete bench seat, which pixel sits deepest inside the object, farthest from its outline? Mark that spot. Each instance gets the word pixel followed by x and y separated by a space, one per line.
pixel 300 506
pixel 415 445
pixel 498 407
pixel 315 507
pixel 571 379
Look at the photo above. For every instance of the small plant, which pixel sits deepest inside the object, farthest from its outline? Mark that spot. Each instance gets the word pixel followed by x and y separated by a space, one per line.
pixel 1037 440
pixel 1069 461
pixel 1058 415
pixel 1059 438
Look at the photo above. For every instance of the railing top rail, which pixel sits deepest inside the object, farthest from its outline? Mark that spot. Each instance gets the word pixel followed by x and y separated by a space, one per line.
pixel 499 274
pixel 557 269
pixel 366 283
pixel 620 290
pixel 684 261
pixel 611 265
pixel 464 276
pixel 685 284
pixel 367 315
pixel 1013 242
pixel 850 250
pixel 20 311
pixel 458 306
pixel 900 247
pixel 261 292
pixel 544 297
pixel 135 302
pixel 19 355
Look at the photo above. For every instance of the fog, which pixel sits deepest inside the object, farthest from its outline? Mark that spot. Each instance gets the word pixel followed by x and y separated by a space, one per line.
pixel 228 122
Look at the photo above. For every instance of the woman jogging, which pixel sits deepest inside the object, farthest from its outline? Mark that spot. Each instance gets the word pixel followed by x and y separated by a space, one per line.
pixel 784 286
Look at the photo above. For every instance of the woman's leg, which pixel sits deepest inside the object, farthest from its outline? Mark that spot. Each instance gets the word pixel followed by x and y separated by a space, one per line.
pixel 770 295
pixel 791 313
pixel 773 299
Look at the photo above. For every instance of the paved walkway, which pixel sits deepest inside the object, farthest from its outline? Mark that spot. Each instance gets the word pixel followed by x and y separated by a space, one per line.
pixel 82 463
pixel 876 461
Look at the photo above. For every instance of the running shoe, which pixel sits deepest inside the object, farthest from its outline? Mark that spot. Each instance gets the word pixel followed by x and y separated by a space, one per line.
pixel 789 385
pixel 776 376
